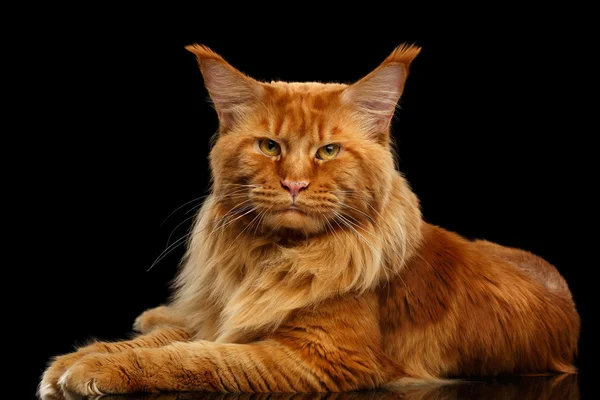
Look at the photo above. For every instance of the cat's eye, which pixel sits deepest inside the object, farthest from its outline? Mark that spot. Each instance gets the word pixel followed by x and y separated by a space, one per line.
pixel 328 152
pixel 269 147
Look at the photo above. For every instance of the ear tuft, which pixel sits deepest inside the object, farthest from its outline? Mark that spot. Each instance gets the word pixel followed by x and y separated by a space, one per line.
pixel 403 54
pixel 231 91
pixel 375 96
pixel 203 52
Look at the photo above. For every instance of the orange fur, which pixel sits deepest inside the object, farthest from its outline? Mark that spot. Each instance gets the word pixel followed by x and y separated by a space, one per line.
pixel 342 287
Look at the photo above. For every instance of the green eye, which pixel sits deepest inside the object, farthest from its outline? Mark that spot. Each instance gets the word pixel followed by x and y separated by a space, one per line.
pixel 328 152
pixel 269 147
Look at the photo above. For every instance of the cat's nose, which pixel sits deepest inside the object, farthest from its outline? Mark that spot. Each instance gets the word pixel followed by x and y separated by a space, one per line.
pixel 294 187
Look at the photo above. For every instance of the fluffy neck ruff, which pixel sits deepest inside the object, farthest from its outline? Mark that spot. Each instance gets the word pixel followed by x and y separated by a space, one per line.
pixel 234 286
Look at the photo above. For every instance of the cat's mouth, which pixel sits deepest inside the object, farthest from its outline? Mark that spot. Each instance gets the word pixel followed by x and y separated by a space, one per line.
pixel 293 217
pixel 293 212
pixel 281 212
pixel 293 209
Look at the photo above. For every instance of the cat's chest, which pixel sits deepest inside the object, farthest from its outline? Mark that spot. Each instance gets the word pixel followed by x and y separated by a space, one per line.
pixel 243 291
pixel 253 290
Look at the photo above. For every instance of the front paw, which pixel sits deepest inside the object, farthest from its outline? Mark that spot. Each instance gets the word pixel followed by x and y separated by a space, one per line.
pixel 48 387
pixel 100 374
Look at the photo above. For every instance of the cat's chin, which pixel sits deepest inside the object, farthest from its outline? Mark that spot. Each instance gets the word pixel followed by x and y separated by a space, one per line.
pixel 292 218
pixel 295 219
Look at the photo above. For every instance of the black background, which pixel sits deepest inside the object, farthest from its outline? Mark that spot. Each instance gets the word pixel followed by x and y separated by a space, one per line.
pixel 116 127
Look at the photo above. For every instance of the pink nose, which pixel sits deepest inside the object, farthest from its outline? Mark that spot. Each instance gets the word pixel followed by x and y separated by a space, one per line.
pixel 294 187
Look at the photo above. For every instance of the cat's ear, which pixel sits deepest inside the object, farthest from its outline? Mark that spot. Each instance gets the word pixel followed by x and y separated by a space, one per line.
pixel 375 96
pixel 231 91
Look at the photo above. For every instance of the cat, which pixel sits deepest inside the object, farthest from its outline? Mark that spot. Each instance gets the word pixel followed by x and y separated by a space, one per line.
pixel 309 267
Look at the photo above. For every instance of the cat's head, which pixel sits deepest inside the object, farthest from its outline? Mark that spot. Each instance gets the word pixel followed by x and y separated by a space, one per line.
pixel 305 157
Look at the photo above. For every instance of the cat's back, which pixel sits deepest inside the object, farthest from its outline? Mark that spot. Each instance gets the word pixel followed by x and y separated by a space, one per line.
pixel 448 253
pixel 528 263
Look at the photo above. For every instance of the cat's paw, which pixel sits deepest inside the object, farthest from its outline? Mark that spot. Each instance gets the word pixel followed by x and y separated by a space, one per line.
pixel 98 375
pixel 146 320
pixel 49 387
pixel 158 316
pixel 149 319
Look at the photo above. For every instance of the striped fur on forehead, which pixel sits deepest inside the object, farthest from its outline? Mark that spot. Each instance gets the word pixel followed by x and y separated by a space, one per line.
pixel 298 109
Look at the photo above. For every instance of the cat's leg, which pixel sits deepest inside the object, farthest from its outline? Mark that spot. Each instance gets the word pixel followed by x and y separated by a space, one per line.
pixel 157 338
pixel 158 316
pixel 334 349
pixel 267 366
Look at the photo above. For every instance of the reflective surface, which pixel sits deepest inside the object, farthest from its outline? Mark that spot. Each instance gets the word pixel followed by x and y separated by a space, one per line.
pixel 563 387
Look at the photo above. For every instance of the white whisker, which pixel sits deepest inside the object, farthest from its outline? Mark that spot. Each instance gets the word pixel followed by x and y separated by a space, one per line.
pixel 235 192
pixel 359 211
pixel 178 225
pixel 347 222
pixel 168 250
pixel 241 232
pixel 181 206
pixel 333 232
pixel 402 243
pixel 231 221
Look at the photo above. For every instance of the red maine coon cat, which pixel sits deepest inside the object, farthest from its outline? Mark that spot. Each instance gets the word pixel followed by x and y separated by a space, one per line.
pixel 310 269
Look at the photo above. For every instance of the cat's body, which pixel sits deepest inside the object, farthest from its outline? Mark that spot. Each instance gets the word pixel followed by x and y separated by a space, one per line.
pixel 310 268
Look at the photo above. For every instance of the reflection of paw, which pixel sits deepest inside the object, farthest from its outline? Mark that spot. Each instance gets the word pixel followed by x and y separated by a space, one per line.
pixel 96 375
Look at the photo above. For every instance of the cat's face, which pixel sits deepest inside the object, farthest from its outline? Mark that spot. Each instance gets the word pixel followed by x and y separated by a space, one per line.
pixel 300 161
pixel 307 157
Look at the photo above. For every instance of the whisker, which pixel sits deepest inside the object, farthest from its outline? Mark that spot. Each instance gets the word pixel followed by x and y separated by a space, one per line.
pixel 194 208
pixel 341 228
pixel 178 225
pixel 356 224
pixel 180 207
pixel 400 228
pixel 242 231
pixel 333 232
pixel 231 214
pixel 168 250
pixel 356 196
pixel 382 239
pixel 259 216
pixel 221 222
pixel 246 210
pixel 229 197
pixel 348 236
pixel 402 235
pixel 353 191
pixel 241 185
pixel 261 220
pixel 361 212
pixel 240 190
pixel 346 222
